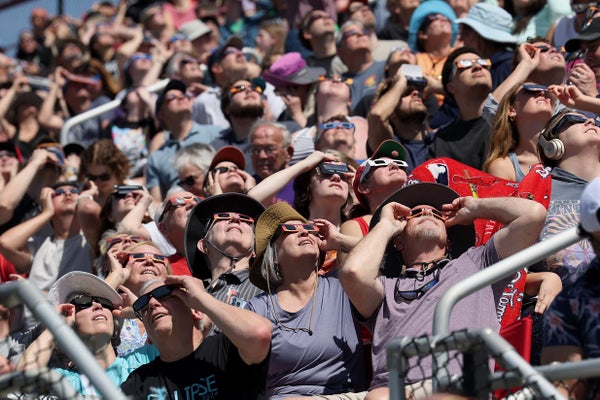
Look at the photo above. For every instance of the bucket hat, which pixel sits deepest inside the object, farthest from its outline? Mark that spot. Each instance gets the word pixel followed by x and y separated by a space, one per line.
pixel 490 22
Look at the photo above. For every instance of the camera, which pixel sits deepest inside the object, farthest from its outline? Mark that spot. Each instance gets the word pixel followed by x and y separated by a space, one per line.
pixel 414 74
pixel 333 167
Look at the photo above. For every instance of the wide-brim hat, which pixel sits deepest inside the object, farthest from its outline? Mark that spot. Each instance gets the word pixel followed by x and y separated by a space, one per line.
pixel 461 237
pixel 291 69
pixel 229 153
pixel 82 283
pixel 388 148
pixel 490 22
pixel 200 218
pixel 266 226
pixel 194 29
pixel 426 8
pixel 588 34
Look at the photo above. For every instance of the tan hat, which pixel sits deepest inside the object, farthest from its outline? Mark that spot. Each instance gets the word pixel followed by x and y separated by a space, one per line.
pixel 266 226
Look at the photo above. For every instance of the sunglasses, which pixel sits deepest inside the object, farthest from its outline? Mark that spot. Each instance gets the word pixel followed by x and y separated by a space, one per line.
pixel 354 32
pixel 229 216
pixel 357 7
pixel 292 228
pixel 141 56
pixel 6 153
pixel 231 50
pixel 176 38
pixel 242 88
pixel 176 202
pixel 335 78
pixel 334 125
pixel 544 48
pixel 102 177
pixel 410 295
pixel 417 212
pixel 435 17
pixel 255 150
pixel 380 162
pixel 158 258
pixel 84 301
pixel 315 16
pixel 223 170
pixel 121 195
pixel 189 180
pixel 568 120
pixel 534 88
pixel 190 61
pixel 120 239
pixel 172 96
pixel 466 64
pixel 159 293
pixel 60 191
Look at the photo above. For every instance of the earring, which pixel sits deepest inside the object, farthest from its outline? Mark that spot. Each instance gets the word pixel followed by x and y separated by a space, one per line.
pixel 277 271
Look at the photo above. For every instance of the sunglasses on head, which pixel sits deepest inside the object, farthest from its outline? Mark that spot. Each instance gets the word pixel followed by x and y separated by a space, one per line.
pixel 102 177
pixel 417 212
pixel 354 32
pixel 242 88
pixel 159 293
pixel 223 170
pixel 337 124
pixel 229 216
pixel 176 202
pixel 84 301
pixel 570 119
pixel 61 191
pixel 120 239
pixel 410 295
pixel 158 258
pixel 335 78
pixel 292 228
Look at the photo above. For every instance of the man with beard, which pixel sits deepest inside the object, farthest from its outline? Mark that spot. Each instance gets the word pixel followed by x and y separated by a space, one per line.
pixel 399 113
pixel 466 77
pixel 242 104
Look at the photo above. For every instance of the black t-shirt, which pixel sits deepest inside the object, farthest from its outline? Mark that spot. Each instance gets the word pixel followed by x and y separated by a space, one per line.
pixel 213 371
pixel 464 141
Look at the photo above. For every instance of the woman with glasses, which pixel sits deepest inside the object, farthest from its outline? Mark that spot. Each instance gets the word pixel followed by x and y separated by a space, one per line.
pixel 316 347
pixel 522 114
pixel 226 173
pixel 87 304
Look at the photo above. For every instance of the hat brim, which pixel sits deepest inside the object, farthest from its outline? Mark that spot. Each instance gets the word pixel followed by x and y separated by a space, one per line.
pixel 310 75
pixel 84 283
pixel 461 237
pixel 229 153
pixel 488 32
pixel 200 218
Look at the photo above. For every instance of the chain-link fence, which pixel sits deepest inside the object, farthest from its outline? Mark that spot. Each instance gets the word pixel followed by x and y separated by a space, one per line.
pixel 67 352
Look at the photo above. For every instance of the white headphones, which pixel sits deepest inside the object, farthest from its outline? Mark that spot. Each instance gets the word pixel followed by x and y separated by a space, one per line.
pixel 554 149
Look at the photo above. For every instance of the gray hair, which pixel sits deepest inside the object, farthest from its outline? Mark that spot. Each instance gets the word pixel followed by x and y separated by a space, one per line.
pixel 197 154
pixel 175 62
pixel 269 267
pixel 340 34
pixel 149 283
pixel 287 136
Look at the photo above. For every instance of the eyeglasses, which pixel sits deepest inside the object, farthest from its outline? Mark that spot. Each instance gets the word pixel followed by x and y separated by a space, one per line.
pixel 172 96
pixel 354 32
pixel 272 149
pixel 189 180
pixel 410 295
pixel 84 301
pixel 579 8
pixel 61 191
pixel 159 293
pixel 544 48
pixel 242 88
pixel 6 153
pixel 292 228
pixel 141 56
pixel 229 216
pixel 417 212
pixel 176 202
pixel 102 177
pixel 570 119
pixel 223 170
pixel 335 125
pixel 335 78
pixel 120 239
pixel 158 258
pixel 380 162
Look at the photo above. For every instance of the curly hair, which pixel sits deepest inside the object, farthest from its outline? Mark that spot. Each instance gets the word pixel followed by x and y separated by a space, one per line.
pixel 104 152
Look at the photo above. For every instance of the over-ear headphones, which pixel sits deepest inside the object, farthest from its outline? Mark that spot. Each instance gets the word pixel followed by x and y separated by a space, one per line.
pixel 554 149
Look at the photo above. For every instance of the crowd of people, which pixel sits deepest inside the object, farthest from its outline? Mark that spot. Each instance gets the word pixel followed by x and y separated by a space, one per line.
pixel 284 187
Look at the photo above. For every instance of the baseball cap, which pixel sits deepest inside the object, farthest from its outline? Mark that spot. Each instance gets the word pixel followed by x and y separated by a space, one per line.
pixel 590 33
pixel 173 84
pixel 229 153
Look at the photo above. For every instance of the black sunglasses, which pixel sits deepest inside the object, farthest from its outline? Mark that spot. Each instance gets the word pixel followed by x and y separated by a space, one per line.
pixel 410 295
pixel 159 293
pixel 84 301
pixel 102 177
pixel 567 120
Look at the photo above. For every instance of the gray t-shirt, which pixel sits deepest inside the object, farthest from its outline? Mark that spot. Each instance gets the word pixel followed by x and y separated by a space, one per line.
pixel 415 318
pixel 321 363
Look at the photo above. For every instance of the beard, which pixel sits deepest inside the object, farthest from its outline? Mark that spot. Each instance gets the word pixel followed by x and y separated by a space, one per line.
pixel 246 111
pixel 413 114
